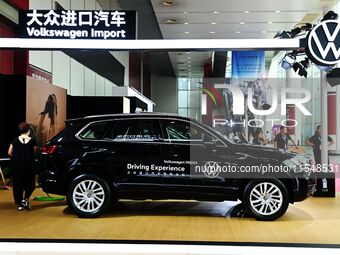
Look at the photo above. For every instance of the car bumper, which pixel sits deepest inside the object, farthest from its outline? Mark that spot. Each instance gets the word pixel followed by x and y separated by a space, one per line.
pixel 50 183
pixel 305 188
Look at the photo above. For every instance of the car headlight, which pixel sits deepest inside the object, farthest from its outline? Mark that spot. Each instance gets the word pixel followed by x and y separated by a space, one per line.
pixel 299 164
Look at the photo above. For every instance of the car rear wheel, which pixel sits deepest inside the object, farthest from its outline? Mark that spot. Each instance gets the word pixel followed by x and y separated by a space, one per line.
pixel 266 200
pixel 89 196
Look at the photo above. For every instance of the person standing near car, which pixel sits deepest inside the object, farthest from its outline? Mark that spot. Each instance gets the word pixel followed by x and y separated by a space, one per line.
pixel 259 138
pixel 315 141
pixel 22 150
pixel 281 139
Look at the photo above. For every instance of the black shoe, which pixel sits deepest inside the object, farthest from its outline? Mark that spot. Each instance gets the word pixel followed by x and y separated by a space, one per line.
pixel 26 204
pixel 20 207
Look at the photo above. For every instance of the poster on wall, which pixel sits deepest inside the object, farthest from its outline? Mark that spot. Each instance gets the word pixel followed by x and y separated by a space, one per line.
pixel 45 109
pixel 248 64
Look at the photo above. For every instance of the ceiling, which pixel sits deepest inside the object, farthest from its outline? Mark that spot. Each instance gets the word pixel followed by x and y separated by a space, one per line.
pixel 189 63
pixel 230 19
pixel 219 19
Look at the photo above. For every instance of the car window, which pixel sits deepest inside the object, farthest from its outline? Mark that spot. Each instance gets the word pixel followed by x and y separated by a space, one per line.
pixel 183 131
pixel 94 131
pixel 132 130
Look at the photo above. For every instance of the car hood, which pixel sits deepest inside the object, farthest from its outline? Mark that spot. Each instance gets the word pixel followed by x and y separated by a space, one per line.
pixel 264 152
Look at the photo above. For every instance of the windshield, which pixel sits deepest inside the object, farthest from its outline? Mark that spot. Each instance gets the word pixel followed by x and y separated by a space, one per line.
pixel 216 133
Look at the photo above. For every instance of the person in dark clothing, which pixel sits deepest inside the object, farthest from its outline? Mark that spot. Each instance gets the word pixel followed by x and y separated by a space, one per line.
pixel 259 138
pixel 22 150
pixel 282 138
pixel 315 141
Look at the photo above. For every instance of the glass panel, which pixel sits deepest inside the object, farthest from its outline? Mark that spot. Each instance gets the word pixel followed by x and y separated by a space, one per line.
pixel 94 131
pixel 182 84
pixel 195 113
pixel 182 99
pixel 136 130
pixel 183 112
pixel 194 99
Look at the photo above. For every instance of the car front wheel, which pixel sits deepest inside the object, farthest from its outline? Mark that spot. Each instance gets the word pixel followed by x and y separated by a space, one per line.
pixel 88 196
pixel 266 200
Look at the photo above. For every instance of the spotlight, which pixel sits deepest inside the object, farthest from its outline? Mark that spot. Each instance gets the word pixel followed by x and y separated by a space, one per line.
pixel 289 60
pixel 286 35
pixel 330 15
pixel 301 67
pixel 333 77
pixel 266 106
pixel 303 72
pixel 305 63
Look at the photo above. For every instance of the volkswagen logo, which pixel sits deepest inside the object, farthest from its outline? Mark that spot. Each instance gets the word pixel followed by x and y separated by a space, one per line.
pixel 323 43
pixel 211 169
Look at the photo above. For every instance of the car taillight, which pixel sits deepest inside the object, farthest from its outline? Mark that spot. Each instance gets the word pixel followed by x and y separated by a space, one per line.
pixel 49 149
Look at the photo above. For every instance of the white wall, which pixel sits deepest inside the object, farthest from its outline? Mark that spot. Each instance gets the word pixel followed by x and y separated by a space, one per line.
pixel 77 79
pixel 67 72
pixel 108 87
pixel 164 93
pixel 61 70
pixel 90 82
pixel 100 86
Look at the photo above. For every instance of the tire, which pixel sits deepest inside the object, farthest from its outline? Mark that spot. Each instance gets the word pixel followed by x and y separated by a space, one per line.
pixel 88 196
pixel 266 199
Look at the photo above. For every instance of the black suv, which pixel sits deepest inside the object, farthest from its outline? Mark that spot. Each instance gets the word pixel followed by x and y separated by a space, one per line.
pixel 97 160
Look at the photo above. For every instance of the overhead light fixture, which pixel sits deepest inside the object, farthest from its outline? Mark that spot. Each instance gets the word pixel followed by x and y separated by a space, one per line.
pixel 333 77
pixel 186 23
pixel 169 3
pixel 301 67
pixel 263 32
pixel 212 32
pixel 246 11
pixel 242 23
pixel 186 32
pixel 286 35
pixel 330 16
pixel 185 12
pixel 171 21
pixel 270 22
pixel 237 32
pixel 213 23
pixel 277 11
pixel 289 60
pixel 215 12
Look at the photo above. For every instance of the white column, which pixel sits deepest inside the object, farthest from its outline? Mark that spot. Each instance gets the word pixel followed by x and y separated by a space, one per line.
pixel 324 119
pixel 337 132
pixel 294 81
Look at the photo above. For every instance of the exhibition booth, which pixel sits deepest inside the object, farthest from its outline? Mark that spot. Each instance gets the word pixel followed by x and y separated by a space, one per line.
pixel 249 134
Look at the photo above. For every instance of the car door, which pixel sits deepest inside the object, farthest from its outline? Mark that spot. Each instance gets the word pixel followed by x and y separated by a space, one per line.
pixel 193 147
pixel 131 150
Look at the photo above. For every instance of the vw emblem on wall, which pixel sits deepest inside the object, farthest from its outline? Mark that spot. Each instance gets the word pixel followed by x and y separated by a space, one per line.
pixel 323 43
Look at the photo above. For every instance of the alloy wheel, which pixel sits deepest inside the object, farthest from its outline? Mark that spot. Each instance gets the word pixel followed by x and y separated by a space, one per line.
pixel 88 196
pixel 266 198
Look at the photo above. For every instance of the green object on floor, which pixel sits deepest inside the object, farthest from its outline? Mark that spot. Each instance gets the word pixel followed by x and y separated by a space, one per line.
pixel 48 198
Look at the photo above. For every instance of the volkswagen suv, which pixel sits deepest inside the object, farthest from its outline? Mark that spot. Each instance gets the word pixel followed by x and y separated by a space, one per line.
pixel 98 160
